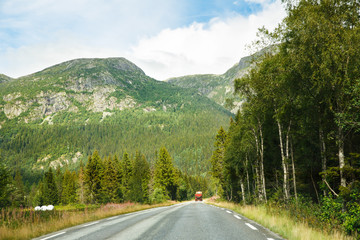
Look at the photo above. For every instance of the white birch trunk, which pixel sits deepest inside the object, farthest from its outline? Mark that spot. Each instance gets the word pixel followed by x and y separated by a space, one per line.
pixel 293 170
pixel 341 155
pixel 283 162
pixel 263 186
pixel 247 175
pixel 322 154
pixel 242 191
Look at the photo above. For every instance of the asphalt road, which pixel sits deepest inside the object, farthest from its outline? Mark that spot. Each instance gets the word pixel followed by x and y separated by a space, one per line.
pixel 192 220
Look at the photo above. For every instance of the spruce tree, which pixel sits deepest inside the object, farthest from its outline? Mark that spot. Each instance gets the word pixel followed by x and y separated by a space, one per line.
pixel 165 176
pixel 49 189
pixel 93 175
pixel 5 186
pixel 81 184
pixel 139 180
pixel 18 195
pixel 109 182
pixel 119 170
pixel 217 158
pixel 126 175
pixel 69 188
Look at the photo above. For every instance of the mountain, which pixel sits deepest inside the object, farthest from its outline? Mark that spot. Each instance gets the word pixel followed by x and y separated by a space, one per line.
pixel 4 78
pixel 216 87
pixel 60 115
pixel 220 88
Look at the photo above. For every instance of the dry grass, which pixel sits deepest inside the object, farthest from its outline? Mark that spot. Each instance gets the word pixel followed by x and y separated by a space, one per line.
pixel 281 224
pixel 27 224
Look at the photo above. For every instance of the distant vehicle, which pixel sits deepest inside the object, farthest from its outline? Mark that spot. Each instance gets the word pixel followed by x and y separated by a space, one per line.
pixel 198 196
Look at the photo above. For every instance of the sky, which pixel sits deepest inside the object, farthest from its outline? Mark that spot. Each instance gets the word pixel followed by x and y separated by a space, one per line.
pixel 165 38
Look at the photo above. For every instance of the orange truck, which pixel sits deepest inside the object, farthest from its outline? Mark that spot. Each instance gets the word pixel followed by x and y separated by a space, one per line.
pixel 198 196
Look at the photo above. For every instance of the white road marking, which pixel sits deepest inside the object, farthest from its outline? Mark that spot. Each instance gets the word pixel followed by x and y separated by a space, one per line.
pixel 222 209
pixel 270 239
pixel 86 225
pixel 53 236
pixel 228 211
pixel 251 226
pixel 112 218
pixel 237 216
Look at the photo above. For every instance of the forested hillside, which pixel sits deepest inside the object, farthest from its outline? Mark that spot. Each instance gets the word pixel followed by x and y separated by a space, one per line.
pixel 59 116
pixel 296 140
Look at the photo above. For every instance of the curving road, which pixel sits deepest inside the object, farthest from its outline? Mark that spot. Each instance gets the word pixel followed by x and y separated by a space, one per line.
pixel 191 220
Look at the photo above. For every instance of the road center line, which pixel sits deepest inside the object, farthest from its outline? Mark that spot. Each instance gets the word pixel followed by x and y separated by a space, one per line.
pixel 237 216
pixel 251 226
pixel 228 211
pixel 53 236
pixel 86 225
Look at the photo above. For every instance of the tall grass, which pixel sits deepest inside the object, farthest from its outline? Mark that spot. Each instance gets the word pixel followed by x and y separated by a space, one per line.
pixel 282 223
pixel 27 223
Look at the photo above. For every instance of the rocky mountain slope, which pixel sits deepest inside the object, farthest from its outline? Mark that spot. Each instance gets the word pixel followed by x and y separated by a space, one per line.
pixel 220 88
pixel 58 116
pixel 216 87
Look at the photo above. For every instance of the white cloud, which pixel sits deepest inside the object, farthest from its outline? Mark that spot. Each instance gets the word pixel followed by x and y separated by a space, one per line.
pixel 203 48
pixel 37 34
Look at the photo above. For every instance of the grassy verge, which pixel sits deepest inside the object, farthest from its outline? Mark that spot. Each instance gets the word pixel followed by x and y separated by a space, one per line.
pixel 27 224
pixel 281 223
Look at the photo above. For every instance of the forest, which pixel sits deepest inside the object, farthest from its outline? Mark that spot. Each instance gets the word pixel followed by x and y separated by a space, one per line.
pixel 295 141
pixel 104 180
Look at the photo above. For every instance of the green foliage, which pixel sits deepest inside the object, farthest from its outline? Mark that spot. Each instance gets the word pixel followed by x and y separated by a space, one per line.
pixel 217 158
pixel 298 126
pixel 92 177
pixel 5 186
pixel 127 171
pixel 110 185
pixel 48 190
pixel 165 176
pixel 158 196
pixel 69 187
pixel 18 194
pixel 139 180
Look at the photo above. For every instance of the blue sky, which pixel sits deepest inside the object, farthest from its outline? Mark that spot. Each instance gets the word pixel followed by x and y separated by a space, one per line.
pixel 164 37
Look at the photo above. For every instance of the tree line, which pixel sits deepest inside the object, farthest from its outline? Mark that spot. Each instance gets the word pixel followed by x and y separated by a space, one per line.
pixel 297 134
pixel 104 180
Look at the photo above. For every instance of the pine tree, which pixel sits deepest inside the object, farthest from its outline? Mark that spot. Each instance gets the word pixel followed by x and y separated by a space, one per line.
pixel 165 176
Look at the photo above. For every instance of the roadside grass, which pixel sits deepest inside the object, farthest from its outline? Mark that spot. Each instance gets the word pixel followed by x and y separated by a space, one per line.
pixel 27 223
pixel 281 222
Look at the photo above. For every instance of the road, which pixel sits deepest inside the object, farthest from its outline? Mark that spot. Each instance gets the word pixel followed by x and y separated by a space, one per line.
pixel 191 220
